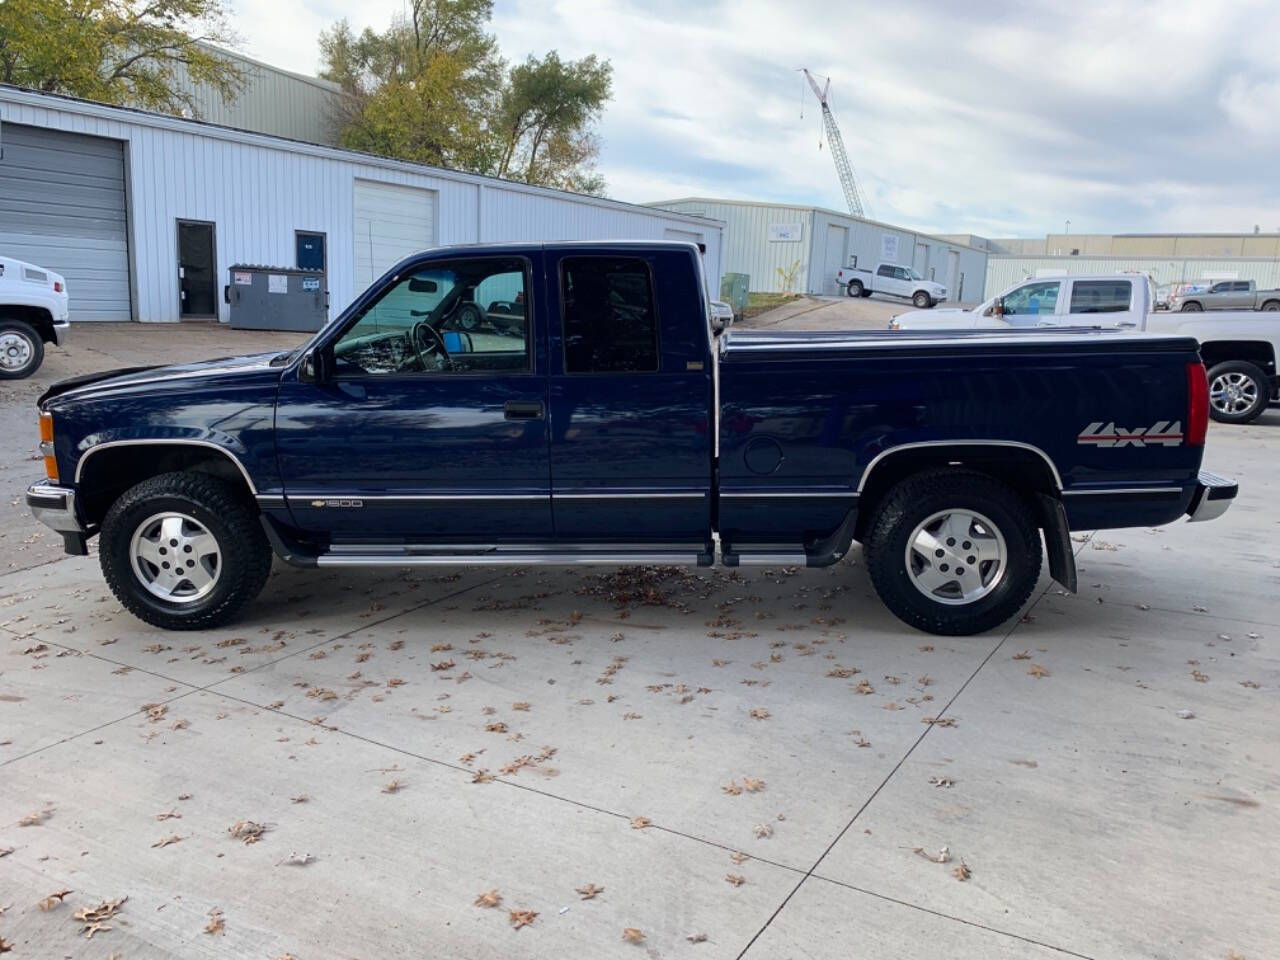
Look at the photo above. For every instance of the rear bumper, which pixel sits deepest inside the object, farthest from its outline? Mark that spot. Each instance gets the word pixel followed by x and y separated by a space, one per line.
pixel 61 332
pixel 1212 496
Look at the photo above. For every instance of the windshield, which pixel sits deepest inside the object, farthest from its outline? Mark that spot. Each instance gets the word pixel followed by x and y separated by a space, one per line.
pixel 912 275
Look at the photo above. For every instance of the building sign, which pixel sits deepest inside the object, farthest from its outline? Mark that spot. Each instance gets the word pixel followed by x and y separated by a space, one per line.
pixel 277 283
pixel 242 279
pixel 310 283
pixel 786 232
pixel 889 247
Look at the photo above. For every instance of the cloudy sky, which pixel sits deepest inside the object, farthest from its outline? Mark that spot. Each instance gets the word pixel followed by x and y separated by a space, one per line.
pixel 989 117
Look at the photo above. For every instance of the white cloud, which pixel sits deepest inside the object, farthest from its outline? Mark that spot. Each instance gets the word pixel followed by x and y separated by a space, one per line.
pixel 997 117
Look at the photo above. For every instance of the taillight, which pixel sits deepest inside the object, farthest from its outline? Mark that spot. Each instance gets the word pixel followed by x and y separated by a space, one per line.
pixel 57 286
pixel 46 447
pixel 1197 404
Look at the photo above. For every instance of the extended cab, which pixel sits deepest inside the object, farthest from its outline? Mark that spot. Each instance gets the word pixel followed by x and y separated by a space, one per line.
pixel 1239 349
pixel 33 312
pixel 892 280
pixel 1227 295
pixel 615 428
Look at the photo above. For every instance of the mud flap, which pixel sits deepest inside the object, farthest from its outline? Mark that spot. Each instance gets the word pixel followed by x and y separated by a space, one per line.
pixel 1057 541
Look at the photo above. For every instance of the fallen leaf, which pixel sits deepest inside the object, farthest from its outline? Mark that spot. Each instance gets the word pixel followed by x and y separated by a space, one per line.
pixel 639 823
pixel 167 841
pixel 739 858
pixel 296 860
pixel 762 831
pixel 589 891
pixel 216 922
pixel 247 830
pixel 760 713
pixel 939 721
pixel 632 935
pixel 732 789
pixel 392 787
pixel 962 872
pixel 169 815
pixel 942 781
pixel 94 918
pixel 1024 655
pixel 443 665
pixel 736 879
pixel 522 918
pixel 752 785
pixel 37 818
pixel 52 900
pixel 1199 677
pixel 496 727
pixel 520 705
pixel 1037 671
pixel 490 898
pixel 300 798
pixel 697 938
pixel 5 945
pixel 943 855
pixel 482 776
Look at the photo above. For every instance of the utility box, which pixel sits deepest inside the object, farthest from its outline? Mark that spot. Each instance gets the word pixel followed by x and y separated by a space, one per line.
pixel 276 298
pixel 733 291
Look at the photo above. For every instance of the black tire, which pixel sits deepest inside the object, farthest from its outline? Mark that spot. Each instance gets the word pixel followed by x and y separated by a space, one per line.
pixel 244 560
pixel 469 317
pixel 866 293
pixel 920 497
pixel 1272 306
pixel 855 289
pixel 21 349
pixel 1252 387
pixel 1192 307
pixel 922 300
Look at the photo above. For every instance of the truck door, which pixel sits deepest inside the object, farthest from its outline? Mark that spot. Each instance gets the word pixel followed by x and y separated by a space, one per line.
pixel 1033 304
pixel 1242 298
pixel 431 424
pixel 1105 303
pixel 631 396
pixel 886 280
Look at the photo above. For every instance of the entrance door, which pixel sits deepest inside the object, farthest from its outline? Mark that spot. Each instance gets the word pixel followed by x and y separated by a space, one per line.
pixel 310 251
pixel 197 279
pixel 431 424
pixel 837 241
pixel 953 275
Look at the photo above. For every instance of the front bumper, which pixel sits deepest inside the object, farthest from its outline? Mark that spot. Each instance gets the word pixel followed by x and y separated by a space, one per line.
pixel 61 332
pixel 1212 497
pixel 55 507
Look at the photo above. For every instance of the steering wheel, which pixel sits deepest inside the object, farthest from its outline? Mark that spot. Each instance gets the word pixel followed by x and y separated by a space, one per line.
pixel 422 346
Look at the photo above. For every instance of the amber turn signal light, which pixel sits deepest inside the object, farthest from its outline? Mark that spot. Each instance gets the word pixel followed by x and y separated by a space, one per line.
pixel 46 447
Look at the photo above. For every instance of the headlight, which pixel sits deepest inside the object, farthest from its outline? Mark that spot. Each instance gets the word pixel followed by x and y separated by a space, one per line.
pixel 893 324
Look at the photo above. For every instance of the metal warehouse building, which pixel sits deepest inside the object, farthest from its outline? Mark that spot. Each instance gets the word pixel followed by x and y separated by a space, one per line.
pixel 766 241
pixel 145 213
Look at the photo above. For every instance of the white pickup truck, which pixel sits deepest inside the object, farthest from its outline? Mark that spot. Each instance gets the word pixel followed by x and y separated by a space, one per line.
pixel 33 312
pixel 893 280
pixel 1239 349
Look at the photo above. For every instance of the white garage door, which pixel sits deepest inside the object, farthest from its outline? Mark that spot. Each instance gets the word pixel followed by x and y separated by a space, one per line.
pixel 391 222
pixel 62 207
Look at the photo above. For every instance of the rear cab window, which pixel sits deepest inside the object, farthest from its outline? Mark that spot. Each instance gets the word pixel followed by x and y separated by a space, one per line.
pixel 609 316
pixel 1101 296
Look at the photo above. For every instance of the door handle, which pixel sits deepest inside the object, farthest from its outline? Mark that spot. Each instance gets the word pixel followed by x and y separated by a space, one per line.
pixel 516 410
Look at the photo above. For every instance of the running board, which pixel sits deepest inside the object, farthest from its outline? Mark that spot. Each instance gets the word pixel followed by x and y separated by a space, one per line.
pixel 503 558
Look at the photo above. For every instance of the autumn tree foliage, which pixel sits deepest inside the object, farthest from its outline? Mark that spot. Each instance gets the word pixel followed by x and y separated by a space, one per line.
pixel 118 51
pixel 433 88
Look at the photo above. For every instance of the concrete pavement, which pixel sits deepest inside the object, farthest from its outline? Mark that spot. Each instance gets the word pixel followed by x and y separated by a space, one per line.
pixel 737 754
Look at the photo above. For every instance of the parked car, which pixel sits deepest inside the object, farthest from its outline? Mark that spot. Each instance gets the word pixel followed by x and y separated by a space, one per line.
pixel 33 312
pixel 1239 349
pixel 618 430
pixel 894 281
pixel 1227 295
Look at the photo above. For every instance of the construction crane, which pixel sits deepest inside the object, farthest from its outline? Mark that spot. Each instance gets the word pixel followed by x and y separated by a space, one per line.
pixel 838 154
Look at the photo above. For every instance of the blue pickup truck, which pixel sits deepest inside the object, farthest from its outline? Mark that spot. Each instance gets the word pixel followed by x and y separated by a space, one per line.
pixel 575 403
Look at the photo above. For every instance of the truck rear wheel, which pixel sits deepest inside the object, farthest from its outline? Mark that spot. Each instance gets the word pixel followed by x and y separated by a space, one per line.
pixel 922 300
pixel 1238 392
pixel 1192 307
pixel 855 288
pixel 183 552
pixel 953 552
pixel 21 349
pixel 1272 306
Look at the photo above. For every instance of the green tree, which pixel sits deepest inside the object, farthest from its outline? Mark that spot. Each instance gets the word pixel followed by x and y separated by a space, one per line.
pixel 118 51
pixel 433 88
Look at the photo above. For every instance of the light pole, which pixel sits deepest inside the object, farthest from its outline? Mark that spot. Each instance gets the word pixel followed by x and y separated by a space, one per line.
pixel 1068 229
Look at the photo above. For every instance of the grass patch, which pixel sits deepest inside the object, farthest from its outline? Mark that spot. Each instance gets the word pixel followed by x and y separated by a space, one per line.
pixel 758 303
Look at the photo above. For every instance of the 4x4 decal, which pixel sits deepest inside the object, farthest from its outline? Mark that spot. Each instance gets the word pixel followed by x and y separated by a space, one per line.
pixel 1160 434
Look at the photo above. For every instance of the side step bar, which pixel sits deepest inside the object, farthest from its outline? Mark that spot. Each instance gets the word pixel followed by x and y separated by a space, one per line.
pixel 502 558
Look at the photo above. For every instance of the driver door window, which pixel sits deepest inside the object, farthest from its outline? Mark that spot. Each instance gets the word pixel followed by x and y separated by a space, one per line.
pixel 1029 303
pixel 462 316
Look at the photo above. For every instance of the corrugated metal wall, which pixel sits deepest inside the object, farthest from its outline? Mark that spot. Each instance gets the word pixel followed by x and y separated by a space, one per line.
pixel 258 191
pixel 272 101
pixel 1003 272
pixel 747 245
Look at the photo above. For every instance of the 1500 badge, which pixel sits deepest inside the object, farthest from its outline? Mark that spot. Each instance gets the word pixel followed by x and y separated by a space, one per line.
pixel 1160 434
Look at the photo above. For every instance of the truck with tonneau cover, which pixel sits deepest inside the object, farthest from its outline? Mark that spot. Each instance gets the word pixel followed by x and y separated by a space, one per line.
pixel 615 427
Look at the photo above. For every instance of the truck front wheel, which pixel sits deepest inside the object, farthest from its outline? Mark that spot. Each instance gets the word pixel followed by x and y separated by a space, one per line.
pixel 855 288
pixel 953 551
pixel 1191 306
pixel 183 552
pixel 21 349
pixel 1238 392
pixel 922 300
